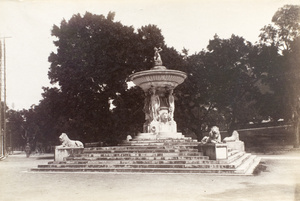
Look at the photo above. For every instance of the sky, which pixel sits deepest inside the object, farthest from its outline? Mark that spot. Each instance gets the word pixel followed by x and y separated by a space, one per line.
pixel 186 24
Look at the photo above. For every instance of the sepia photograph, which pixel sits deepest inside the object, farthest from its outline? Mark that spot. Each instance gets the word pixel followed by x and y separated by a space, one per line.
pixel 138 100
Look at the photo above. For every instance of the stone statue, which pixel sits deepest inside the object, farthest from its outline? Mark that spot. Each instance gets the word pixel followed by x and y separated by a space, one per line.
pixel 233 142
pixel 157 58
pixel 171 105
pixel 164 117
pixel 155 104
pixel 214 136
pixel 66 142
pixel 234 137
pixel 147 108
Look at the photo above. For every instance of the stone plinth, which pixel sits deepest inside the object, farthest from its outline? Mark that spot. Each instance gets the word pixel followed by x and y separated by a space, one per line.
pixel 169 135
pixel 236 145
pixel 145 136
pixel 160 135
pixel 62 152
pixel 214 151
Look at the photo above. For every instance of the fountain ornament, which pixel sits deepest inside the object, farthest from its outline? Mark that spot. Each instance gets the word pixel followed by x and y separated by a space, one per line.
pixel 158 84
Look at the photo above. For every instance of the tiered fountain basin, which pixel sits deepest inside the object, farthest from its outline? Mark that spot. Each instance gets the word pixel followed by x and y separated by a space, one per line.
pixel 158 78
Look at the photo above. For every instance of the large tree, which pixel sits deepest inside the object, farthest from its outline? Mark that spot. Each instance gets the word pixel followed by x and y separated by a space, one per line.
pixel 282 38
pixel 95 55
pixel 220 88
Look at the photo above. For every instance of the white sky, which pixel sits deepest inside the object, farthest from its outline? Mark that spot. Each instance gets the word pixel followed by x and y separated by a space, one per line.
pixel 184 23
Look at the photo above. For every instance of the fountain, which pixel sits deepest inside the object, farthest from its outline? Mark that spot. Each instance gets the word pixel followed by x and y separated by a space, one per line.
pixel 158 84
pixel 159 148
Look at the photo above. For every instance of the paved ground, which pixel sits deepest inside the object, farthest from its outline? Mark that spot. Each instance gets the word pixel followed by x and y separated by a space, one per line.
pixel 280 182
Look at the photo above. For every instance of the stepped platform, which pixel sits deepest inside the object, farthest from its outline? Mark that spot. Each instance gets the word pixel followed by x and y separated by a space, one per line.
pixel 153 156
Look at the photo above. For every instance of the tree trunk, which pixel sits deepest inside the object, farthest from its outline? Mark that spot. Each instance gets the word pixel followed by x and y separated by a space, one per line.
pixel 297 124
pixel 297 133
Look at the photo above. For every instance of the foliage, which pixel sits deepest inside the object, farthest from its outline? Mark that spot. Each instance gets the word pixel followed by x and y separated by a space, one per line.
pixel 285 30
pixel 283 76
pixel 94 58
pixel 14 128
pixel 221 81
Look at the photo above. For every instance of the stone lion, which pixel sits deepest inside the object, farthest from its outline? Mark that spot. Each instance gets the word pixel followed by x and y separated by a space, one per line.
pixel 214 136
pixel 66 142
pixel 234 137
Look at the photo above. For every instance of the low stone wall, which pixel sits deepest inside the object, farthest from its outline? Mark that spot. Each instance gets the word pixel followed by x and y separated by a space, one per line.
pixel 265 137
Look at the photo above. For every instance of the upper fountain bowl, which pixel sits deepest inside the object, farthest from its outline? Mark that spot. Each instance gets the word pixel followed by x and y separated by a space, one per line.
pixel 158 77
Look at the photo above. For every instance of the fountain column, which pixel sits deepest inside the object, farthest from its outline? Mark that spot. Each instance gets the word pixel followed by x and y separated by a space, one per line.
pixel 158 84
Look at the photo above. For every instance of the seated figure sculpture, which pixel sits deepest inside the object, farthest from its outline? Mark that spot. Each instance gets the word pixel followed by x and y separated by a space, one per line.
pixel 214 136
pixel 66 142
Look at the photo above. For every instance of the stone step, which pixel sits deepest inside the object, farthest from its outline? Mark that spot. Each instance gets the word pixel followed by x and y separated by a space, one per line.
pixel 139 170
pixel 91 158
pixel 252 166
pixel 121 148
pixel 159 161
pixel 150 147
pixel 113 162
pixel 153 156
pixel 163 140
pixel 159 142
pixel 187 165
pixel 157 150
pixel 239 161
pixel 151 160
pixel 234 156
pixel 247 163
pixel 147 154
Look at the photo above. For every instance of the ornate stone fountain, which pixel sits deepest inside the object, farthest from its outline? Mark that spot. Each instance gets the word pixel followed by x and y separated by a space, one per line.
pixel 160 147
pixel 158 84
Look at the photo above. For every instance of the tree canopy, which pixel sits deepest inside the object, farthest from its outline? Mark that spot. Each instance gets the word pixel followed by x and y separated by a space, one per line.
pixel 95 55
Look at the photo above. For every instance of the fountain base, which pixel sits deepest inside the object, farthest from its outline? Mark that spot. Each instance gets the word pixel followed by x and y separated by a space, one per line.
pixel 161 135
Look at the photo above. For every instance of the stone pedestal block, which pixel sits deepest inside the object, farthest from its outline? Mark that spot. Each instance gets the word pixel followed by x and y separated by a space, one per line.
pixel 145 136
pixel 214 151
pixel 236 145
pixel 170 135
pixel 62 152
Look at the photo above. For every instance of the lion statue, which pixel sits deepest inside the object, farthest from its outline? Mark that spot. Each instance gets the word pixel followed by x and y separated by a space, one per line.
pixel 214 136
pixel 66 142
pixel 234 137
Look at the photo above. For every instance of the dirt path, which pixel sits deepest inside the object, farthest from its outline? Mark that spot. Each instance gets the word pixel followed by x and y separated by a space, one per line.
pixel 280 182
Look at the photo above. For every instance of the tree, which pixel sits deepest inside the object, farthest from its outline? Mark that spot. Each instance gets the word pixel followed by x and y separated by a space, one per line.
pixel 94 58
pixel 220 79
pixel 282 76
pixel 15 120
pixel 285 30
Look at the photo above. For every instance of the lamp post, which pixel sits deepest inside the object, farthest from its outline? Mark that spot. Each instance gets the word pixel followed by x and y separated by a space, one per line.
pixel 3 139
